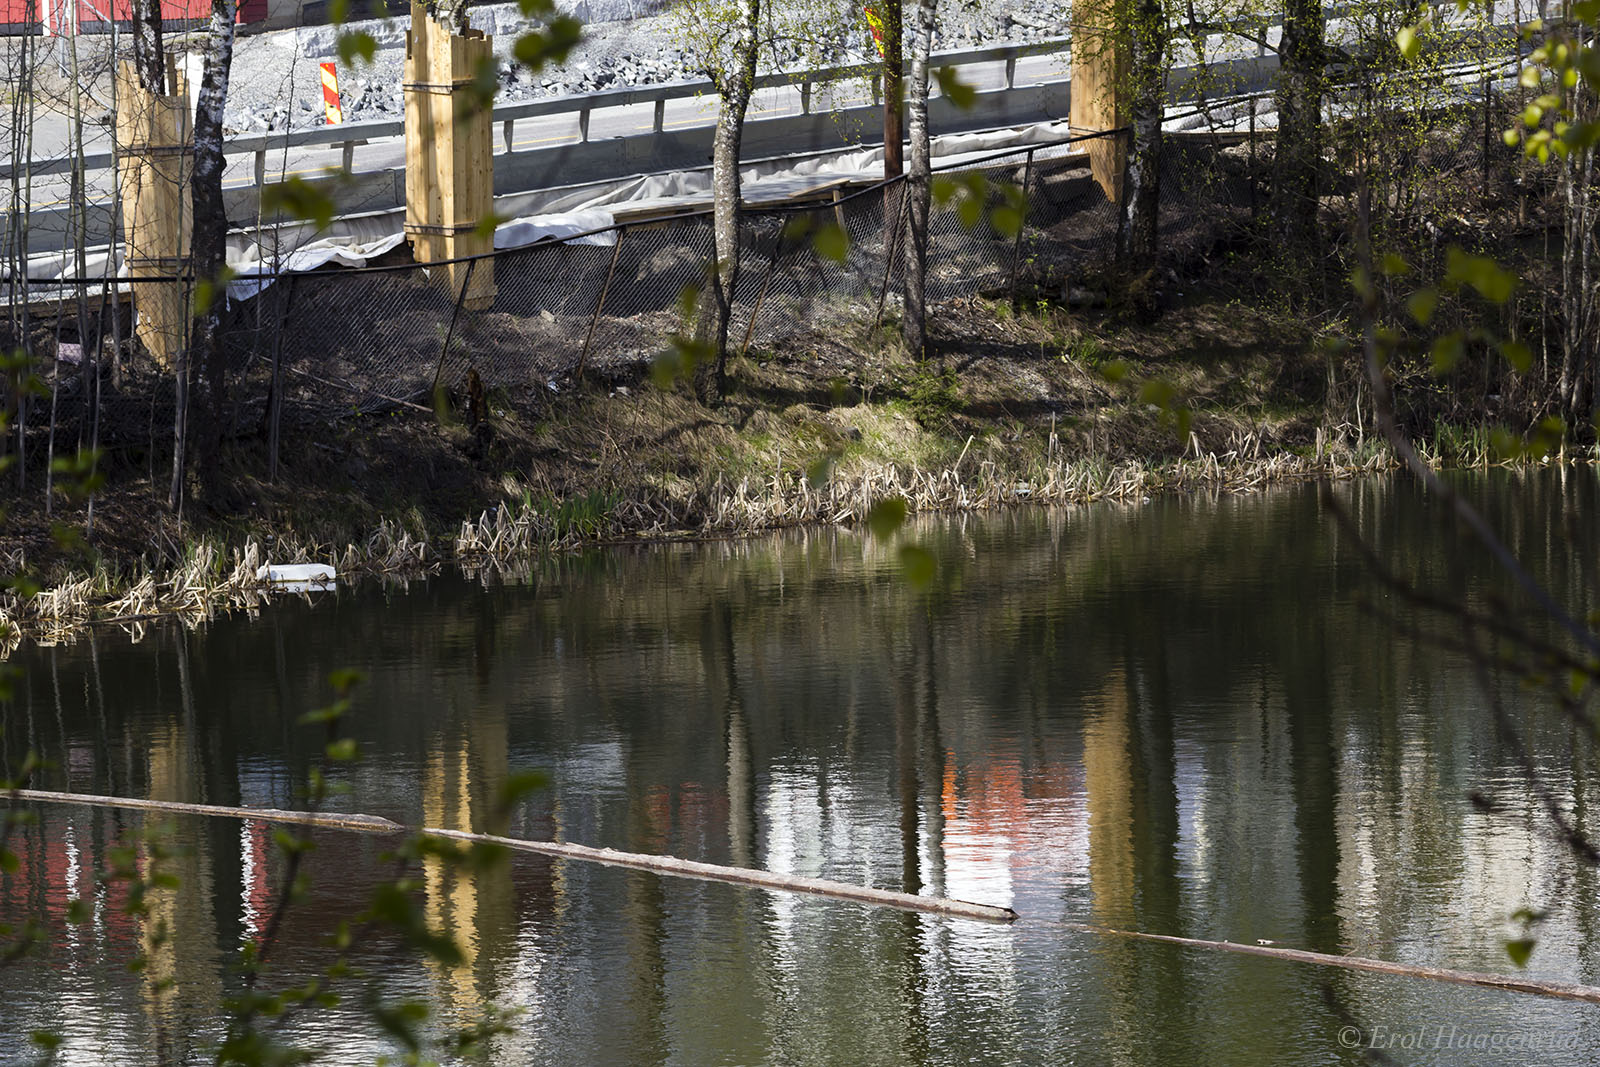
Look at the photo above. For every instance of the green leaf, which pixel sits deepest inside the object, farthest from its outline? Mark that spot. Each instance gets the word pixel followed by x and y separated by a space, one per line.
pixel 1006 220
pixel 952 88
pixel 356 44
pixel 1394 265
pixel 533 50
pixel 1421 305
pixel 520 784
pixel 887 516
pixel 917 565
pixel 1493 282
pixel 818 473
pixel 343 750
pixel 1520 950
pixel 1518 355
pixel 345 679
pixel 1113 370
pixel 831 242
pixel 298 199
pixel 1447 352
pixel 46 1039
pixel 969 211
pixel 321 716
pixel 1406 40
pixel 8 861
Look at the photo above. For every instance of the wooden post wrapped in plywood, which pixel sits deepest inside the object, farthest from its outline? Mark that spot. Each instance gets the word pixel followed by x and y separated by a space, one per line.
pixel 155 145
pixel 449 154
pixel 1100 50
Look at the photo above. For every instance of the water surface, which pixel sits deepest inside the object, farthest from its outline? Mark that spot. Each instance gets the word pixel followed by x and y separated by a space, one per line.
pixel 1191 716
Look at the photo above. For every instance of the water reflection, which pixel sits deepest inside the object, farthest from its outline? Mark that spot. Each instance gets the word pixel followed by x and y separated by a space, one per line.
pixel 1176 718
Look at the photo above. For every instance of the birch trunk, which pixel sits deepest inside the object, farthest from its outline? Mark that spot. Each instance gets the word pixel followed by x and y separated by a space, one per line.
pixel 209 246
pixel 1301 82
pixel 1141 191
pixel 918 185
pixel 1575 385
pixel 734 86
pixel 149 53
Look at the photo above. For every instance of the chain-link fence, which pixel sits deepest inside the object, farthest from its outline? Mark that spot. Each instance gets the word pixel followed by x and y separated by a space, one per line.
pixel 309 346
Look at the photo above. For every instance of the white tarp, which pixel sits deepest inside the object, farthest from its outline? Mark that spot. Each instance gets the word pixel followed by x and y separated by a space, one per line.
pixel 251 271
pixel 531 229
pixel 345 251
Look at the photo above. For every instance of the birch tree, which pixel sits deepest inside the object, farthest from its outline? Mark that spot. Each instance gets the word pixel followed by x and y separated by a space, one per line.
pixel 149 53
pixel 209 244
pixel 1146 39
pixel 725 38
pixel 1302 81
pixel 919 181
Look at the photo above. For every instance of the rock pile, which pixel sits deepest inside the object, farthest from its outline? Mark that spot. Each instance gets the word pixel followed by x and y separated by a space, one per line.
pixel 276 84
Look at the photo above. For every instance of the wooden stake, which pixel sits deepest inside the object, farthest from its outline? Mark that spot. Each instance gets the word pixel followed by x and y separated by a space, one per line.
pixel 449 153
pixel 155 150
pixel 1098 89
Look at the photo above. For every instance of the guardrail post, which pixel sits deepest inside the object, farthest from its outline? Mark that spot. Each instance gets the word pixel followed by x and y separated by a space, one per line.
pixel 877 88
pixel 505 132
pixel 805 98
pixel 1011 72
pixel 661 115
pixel 347 159
pixel 583 124
pixel 261 168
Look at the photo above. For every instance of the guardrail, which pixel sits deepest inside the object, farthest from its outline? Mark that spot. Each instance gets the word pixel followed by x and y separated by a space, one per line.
pixel 351 135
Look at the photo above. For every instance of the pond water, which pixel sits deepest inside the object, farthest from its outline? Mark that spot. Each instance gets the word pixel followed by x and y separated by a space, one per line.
pixel 1189 716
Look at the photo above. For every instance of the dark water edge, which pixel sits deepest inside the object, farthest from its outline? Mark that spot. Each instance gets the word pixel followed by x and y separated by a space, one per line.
pixel 1188 716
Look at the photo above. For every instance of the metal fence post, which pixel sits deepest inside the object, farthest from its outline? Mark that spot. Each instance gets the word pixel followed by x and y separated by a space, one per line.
pixel 275 400
pixel 1016 246
pixel 894 249
pixel 766 281
pixel 433 390
pixel 594 320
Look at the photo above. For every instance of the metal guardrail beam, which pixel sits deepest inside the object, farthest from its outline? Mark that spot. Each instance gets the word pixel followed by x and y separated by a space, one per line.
pixel 351 134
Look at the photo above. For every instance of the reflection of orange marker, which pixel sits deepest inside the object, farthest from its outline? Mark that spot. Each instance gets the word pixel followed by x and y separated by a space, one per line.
pixel 330 94
pixel 875 24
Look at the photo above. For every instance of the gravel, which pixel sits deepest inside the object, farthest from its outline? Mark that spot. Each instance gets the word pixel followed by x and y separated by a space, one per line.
pixel 276 82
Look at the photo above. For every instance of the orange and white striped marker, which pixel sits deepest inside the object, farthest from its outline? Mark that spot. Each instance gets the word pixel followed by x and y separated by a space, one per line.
pixel 330 94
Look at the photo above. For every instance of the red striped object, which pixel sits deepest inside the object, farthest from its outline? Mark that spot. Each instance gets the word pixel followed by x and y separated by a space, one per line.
pixel 330 94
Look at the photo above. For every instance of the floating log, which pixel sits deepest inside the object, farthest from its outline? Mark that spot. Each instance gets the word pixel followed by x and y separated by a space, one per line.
pixel 666 865
pixel 1504 982
pixel 671 866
